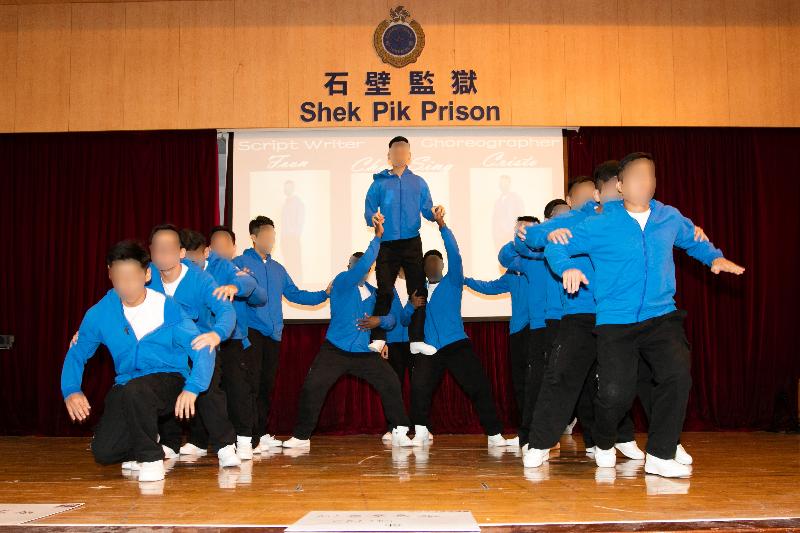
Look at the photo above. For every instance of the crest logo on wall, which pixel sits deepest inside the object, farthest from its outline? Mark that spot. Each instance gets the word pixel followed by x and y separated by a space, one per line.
pixel 399 40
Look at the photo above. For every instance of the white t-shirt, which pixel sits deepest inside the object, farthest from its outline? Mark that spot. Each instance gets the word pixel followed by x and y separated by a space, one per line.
pixel 146 316
pixel 364 291
pixel 431 288
pixel 170 287
pixel 641 218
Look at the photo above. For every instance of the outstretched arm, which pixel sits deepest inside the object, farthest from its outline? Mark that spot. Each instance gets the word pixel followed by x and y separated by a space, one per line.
pixel 497 286
pixel 703 251
pixel 299 296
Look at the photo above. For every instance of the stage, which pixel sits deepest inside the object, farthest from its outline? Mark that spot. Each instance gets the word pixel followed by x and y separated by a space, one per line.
pixel 740 481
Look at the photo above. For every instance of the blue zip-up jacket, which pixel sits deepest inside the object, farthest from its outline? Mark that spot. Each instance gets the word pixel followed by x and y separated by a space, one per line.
pixel 512 282
pixel 195 294
pixel 532 266
pixel 400 331
pixel 634 270
pixel 225 272
pixel 347 307
pixel 401 199
pixel 443 323
pixel 536 238
pixel 167 348
pixel 272 276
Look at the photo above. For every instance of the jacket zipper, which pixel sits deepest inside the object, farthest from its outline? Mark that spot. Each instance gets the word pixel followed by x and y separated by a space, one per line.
pixel 644 252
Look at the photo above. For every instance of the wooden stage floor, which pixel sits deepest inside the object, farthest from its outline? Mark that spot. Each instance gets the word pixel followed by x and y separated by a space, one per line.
pixel 743 480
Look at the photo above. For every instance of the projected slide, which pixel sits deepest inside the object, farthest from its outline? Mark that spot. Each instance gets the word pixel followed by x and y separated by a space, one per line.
pixel 312 183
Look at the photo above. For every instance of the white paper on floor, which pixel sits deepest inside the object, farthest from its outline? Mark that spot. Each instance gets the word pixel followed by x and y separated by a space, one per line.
pixel 14 514
pixel 347 521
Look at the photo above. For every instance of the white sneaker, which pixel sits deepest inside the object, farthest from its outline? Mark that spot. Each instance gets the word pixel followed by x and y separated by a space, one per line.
pixel 151 471
pixel 169 453
pixel 296 443
pixel 534 457
pixel 244 447
pixel 387 437
pixel 130 466
pixel 421 436
pixel 513 442
pixel 376 346
pixel 268 441
pixel 496 440
pixel 400 437
pixel 570 426
pixel 605 458
pixel 227 456
pixel 191 449
pixel 590 451
pixel 682 456
pixel 630 450
pixel 666 468
pixel 524 449
pixel 421 348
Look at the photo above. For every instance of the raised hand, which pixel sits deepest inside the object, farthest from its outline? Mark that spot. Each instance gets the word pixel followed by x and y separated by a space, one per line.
pixel 438 215
pixel 378 218
pixel 720 264
pixel 379 228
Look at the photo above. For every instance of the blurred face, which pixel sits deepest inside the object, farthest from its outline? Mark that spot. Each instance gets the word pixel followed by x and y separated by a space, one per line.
pixel 608 192
pixel 434 267
pixel 199 256
pixel 580 194
pixel 560 208
pixel 165 250
pixel 222 244
pixel 352 262
pixel 638 182
pixel 264 240
pixel 128 278
pixel 400 154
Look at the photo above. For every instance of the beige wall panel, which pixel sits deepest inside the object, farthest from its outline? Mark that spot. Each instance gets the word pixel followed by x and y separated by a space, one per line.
pixel 42 92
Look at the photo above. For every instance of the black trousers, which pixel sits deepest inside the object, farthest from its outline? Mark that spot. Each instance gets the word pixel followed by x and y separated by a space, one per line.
pixel 644 388
pixel 405 253
pixel 539 343
pixel 241 371
pixel 661 343
pixel 128 429
pixel 330 364
pixel 401 359
pixel 266 352
pixel 585 412
pixel 459 358
pixel 519 358
pixel 210 425
pixel 571 358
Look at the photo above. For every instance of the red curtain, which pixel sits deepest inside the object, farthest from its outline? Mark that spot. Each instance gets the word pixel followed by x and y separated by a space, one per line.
pixel 69 196
pixel 66 198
